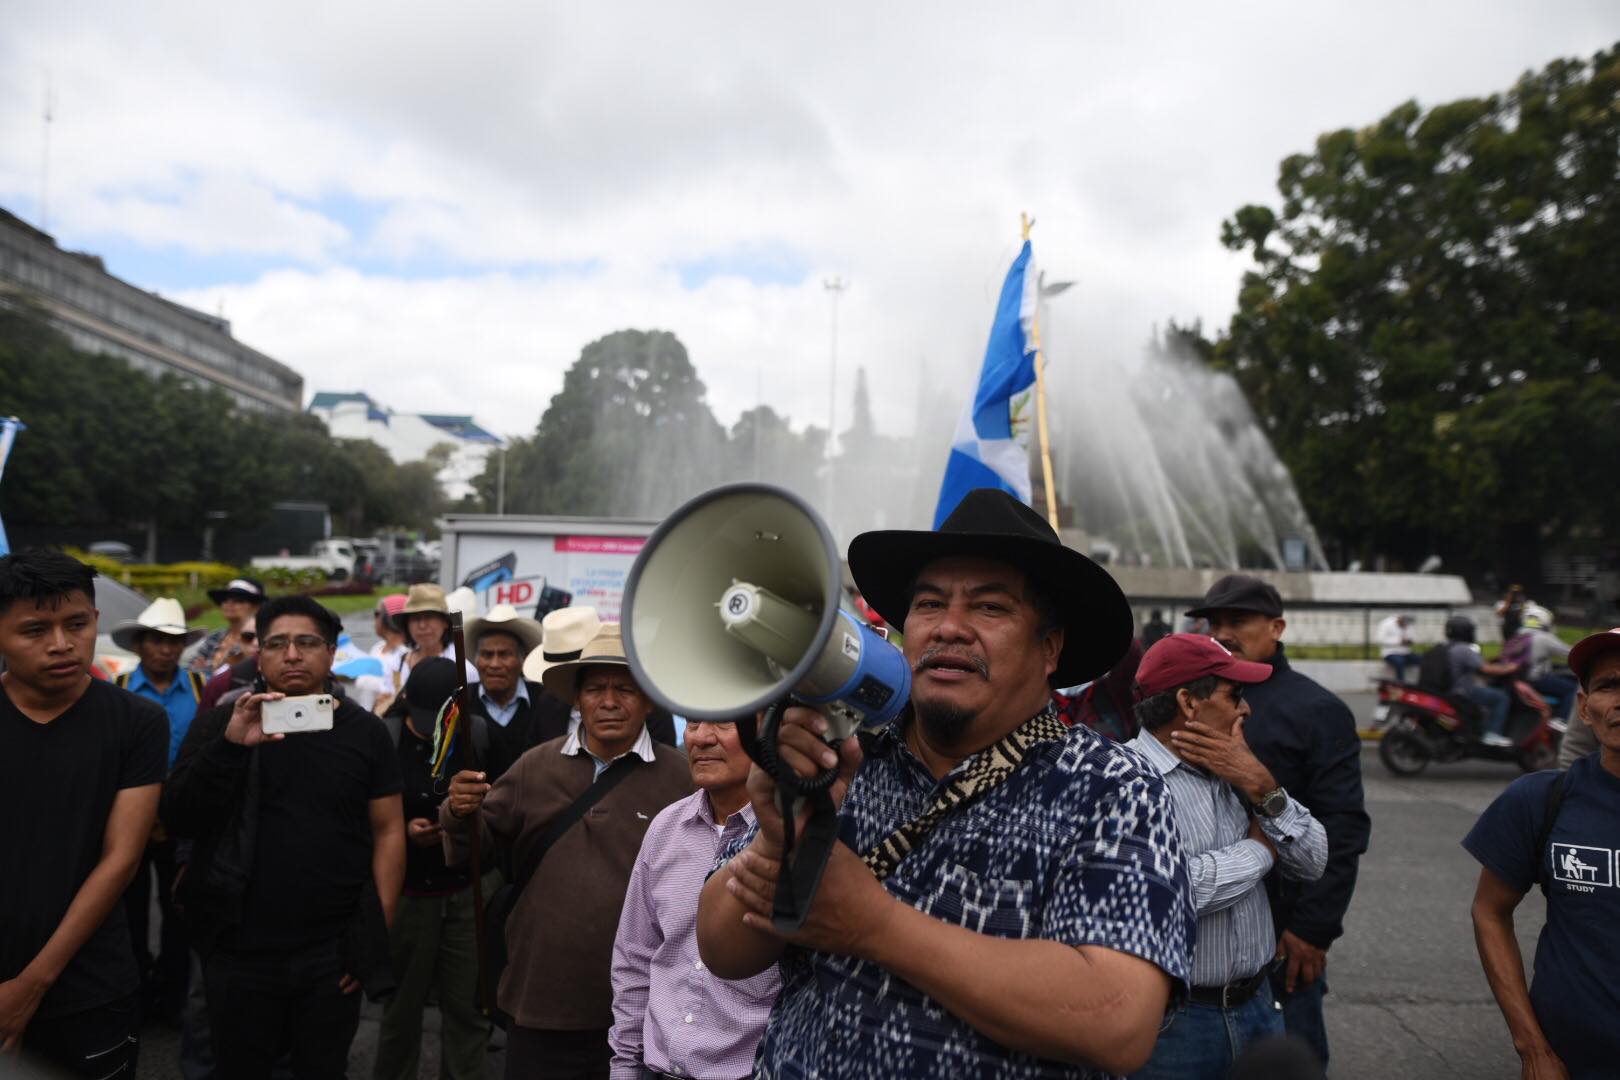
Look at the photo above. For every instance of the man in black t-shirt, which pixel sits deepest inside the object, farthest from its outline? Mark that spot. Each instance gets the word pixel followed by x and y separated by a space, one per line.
pixel 299 857
pixel 81 763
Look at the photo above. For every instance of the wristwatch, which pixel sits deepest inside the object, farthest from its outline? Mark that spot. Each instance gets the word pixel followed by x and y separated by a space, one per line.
pixel 1272 803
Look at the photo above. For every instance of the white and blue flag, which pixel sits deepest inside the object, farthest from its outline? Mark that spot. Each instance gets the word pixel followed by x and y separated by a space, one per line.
pixel 991 448
pixel 9 426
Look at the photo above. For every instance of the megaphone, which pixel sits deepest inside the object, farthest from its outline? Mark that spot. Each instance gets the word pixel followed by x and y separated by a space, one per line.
pixel 732 609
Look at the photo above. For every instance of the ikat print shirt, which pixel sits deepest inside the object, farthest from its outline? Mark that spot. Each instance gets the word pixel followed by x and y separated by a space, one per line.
pixel 1078 845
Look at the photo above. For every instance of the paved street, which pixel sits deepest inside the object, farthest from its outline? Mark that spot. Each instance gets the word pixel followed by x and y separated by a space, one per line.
pixel 1408 998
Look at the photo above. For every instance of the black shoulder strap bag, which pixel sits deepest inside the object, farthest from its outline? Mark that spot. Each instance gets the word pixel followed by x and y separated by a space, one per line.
pixel 505 898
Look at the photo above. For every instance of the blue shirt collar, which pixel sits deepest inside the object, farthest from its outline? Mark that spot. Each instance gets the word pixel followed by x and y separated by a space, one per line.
pixel 521 695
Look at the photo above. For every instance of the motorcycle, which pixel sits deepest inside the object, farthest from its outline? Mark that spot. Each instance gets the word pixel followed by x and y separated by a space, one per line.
pixel 1420 727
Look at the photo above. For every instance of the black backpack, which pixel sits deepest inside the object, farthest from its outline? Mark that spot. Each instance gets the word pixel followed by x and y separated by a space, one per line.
pixel 1434 670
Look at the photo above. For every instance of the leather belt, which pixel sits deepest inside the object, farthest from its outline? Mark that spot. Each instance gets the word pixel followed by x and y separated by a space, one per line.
pixel 1235 993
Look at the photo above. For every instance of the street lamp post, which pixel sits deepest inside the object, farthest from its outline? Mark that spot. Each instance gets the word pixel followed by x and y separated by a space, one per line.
pixel 835 286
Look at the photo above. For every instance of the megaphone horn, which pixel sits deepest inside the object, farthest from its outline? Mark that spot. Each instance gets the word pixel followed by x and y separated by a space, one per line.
pixel 732 609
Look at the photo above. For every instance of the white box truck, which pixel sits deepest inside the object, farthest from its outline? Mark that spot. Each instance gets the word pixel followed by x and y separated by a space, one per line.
pixel 538 564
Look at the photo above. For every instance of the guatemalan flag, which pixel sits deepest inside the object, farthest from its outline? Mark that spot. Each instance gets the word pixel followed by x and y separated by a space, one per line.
pixel 991 448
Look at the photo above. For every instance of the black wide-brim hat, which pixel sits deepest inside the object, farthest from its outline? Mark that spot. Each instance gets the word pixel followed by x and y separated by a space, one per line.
pixel 1096 618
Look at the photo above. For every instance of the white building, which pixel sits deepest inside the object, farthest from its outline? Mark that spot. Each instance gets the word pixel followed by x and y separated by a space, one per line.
pixel 409 436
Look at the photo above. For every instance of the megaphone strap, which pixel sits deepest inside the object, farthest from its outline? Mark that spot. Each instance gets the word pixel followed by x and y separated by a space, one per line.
pixel 983 773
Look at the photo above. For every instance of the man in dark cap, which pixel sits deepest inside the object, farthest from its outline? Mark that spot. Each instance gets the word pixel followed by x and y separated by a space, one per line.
pixel 1008 897
pixel 1307 738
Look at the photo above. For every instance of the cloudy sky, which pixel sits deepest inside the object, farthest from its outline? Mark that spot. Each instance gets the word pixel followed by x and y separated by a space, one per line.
pixel 440 204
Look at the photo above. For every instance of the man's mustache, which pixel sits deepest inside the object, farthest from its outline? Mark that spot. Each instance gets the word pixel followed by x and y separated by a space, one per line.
pixel 939 651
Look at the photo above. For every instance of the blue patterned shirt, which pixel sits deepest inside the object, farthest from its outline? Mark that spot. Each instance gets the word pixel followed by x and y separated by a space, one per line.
pixel 1078 845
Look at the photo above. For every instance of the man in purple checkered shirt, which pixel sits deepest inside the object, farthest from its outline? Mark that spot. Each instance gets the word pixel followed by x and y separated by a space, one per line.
pixel 671 1017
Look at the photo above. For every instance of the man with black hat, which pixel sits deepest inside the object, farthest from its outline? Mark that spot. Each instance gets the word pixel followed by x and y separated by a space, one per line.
pixel 1558 830
pixel 1307 738
pixel 1008 897
pixel 433 936
pixel 1236 823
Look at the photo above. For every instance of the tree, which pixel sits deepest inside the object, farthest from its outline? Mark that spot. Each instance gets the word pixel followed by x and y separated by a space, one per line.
pixel 108 445
pixel 630 434
pixel 1431 332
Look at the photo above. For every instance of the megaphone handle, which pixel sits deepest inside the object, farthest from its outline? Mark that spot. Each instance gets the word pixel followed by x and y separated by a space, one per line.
pixel 802 869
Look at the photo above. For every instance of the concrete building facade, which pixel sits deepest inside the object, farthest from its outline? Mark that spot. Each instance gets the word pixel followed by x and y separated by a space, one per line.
pixel 100 313
pixel 409 436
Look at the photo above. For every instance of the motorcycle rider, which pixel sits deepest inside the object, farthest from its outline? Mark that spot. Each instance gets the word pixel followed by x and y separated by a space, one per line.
pixel 1468 668
pixel 1540 647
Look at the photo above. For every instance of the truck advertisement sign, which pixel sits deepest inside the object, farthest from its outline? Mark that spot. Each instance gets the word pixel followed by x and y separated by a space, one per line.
pixel 538 574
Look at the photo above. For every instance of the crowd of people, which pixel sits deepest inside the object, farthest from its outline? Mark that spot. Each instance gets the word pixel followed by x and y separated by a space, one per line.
pixel 1144 878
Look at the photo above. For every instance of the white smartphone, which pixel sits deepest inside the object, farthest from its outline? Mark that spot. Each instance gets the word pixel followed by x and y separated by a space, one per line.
pixel 292 715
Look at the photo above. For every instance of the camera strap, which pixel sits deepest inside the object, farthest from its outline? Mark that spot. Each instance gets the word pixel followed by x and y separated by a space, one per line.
pixel 984 772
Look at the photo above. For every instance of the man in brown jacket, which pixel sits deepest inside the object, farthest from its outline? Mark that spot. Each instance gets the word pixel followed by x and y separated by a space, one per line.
pixel 557 983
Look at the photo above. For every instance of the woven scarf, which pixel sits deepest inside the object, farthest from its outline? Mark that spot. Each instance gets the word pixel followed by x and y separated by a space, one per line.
pixel 982 774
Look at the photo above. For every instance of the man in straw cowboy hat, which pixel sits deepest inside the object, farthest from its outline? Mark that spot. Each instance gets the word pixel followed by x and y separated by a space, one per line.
pixel 556 987
pixel 565 632
pixel 158 636
pixel 499 643
pixel 1008 897
pixel 81 766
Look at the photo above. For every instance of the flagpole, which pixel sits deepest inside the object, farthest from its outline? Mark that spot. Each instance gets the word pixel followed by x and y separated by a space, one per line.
pixel 1040 398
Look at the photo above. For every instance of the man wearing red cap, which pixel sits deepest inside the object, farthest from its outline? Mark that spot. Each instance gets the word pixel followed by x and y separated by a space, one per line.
pixel 1236 822
pixel 1560 831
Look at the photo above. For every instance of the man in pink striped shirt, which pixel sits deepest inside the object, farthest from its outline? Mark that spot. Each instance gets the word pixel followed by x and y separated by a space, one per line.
pixel 671 1017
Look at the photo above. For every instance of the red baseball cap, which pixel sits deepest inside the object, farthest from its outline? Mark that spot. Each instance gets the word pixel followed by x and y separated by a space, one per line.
pixel 1179 659
pixel 1591 647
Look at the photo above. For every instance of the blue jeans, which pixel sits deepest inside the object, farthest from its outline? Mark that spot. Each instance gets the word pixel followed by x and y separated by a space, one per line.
pixel 1494 703
pixel 1400 661
pixel 1302 1011
pixel 1200 1042
pixel 1559 690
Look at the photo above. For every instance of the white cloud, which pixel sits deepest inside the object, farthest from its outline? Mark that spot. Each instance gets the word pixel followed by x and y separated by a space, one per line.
pixel 892 144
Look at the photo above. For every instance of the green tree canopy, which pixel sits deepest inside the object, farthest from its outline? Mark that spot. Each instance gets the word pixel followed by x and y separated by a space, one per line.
pixel 630 433
pixel 1431 332
pixel 107 445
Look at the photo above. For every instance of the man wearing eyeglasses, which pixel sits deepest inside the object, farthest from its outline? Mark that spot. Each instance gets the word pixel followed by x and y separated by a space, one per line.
pixel 1235 822
pixel 299 858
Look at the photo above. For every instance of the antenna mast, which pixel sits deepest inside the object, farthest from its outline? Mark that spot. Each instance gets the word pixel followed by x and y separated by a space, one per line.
pixel 45 160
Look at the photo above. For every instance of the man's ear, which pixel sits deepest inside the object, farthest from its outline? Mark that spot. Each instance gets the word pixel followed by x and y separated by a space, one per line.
pixel 1052 648
pixel 1184 704
pixel 1278 625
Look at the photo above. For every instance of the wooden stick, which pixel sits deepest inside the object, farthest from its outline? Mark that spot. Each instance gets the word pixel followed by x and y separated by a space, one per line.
pixel 467 755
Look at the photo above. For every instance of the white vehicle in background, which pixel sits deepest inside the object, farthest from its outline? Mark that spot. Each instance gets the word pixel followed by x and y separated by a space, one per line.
pixel 333 557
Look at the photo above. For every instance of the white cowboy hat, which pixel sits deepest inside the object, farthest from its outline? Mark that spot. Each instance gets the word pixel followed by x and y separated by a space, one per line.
pixel 504 618
pixel 566 631
pixel 465 601
pixel 162 616
pixel 605 649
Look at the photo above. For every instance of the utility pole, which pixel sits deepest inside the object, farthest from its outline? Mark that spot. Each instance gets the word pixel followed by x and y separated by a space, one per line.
pixel 45 161
pixel 835 286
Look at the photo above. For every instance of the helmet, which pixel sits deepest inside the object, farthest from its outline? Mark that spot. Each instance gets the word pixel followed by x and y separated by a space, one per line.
pixel 1536 617
pixel 1459 628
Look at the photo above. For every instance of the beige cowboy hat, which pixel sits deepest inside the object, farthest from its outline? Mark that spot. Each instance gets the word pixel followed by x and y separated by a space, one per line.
pixel 605 649
pixel 564 633
pixel 424 597
pixel 162 616
pixel 505 619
